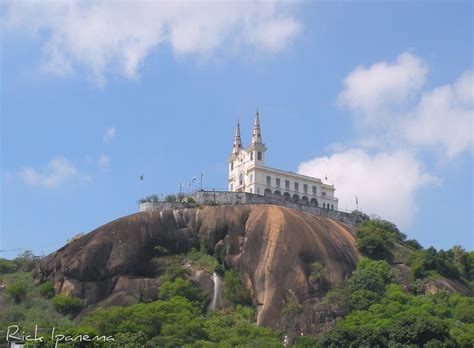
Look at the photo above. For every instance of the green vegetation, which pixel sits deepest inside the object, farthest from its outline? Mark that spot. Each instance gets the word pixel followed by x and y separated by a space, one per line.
pixel 383 314
pixel 292 307
pixel 47 290
pixel 171 199
pixel 234 290
pixel 67 305
pixel 201 260
pixel 16 290
pixel 31 309
pixel 454 263
pixel 399 317
pixel 376 238
pixel 179 319
pixel 151 198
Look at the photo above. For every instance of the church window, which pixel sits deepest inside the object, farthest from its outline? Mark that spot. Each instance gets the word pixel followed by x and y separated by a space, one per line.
pixel 277 182
pixel 305 188
pixel 251 156
pixel 269 180
pixel 297 186
pixel 259 156
pixel 287 184
pixel 314 191
pixel 241 179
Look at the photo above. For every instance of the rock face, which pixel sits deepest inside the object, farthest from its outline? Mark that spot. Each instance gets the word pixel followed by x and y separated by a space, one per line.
pixel 271 247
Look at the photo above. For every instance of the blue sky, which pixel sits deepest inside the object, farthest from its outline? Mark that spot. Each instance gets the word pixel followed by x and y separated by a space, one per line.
pixel 378 96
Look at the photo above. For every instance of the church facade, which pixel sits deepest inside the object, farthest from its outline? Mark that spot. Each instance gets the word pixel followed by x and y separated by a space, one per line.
pixel 248 173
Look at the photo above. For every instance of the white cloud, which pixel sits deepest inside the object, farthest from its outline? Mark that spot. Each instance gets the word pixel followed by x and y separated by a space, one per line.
pixel 391 108
pixel 109 134
pixel 56 172
pixel 117 36
pixel 385 183
pixel 444 117
pixel 103 162
pixel 375 93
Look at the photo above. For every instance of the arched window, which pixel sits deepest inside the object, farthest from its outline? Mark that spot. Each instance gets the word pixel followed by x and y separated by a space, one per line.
pixel 324 205
pixel 232 165
pixel 241 179
pixel 251 156
pixel 259 155
pixel 332 206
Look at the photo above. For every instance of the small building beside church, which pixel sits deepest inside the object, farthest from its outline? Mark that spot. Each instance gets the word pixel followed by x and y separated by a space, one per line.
pixel 248 173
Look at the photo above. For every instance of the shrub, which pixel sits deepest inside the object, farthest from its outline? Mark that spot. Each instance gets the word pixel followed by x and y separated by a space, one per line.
pixel 183 288
pixel 368 282
pixel 292 307
pixel 170 199
pixel 372 246
pixel 26 261
pixel 413 243
pixel 422 262
pixel 201 259
pixel 17 291
pixel 234 289
pixel 7 266
pixel 47 290
pixel 67 305
pixel 418 330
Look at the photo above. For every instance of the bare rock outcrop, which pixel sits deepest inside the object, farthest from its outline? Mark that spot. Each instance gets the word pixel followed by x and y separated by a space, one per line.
pixel 272 247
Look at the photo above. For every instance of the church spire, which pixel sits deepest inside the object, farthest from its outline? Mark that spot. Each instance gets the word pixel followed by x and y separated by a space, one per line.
pixel 237 141
pixel 256 133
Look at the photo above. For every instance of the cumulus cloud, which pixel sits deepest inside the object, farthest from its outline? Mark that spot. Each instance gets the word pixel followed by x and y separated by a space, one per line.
pixel 391 107
pixel 103 162
pixel 385 183
pixel 444 117
pixel 396 116
pixel 56 172
pixel 109 134
pixel 117 36
pixel 373 94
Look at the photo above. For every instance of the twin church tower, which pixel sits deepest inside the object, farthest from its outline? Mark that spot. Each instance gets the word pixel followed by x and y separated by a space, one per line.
pixel 248 173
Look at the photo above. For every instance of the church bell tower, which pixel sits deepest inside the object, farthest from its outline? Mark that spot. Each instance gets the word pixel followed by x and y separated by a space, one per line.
pixel 257 149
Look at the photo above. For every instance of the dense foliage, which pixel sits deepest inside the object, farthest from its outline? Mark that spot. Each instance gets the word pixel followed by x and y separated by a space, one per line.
pixel 178 319
pixel 234 290
pixel 67 305
pixel 453 263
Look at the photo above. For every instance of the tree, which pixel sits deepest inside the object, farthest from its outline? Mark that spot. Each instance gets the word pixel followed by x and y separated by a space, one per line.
pixel 234 289
pixel 183 288
pixel 68 305
pixel 372 246
pixel 418 330
pixel 170 199
pixel 368 282
pixel 17 291
pixel 47 290
pixel 7 266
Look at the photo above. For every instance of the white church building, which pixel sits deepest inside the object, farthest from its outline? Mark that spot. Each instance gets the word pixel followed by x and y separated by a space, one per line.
pixel 248 173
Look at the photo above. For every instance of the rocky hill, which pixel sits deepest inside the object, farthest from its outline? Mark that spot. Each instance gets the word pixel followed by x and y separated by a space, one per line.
pixel 272 248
